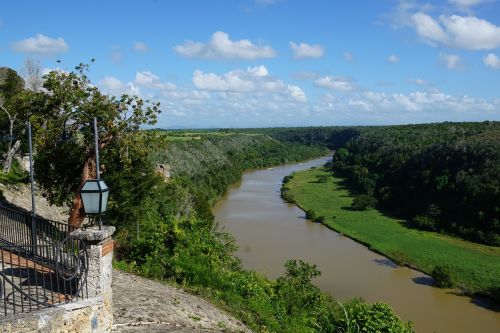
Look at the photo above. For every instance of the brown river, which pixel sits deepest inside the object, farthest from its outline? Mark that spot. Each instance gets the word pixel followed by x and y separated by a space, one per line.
pixel 269 231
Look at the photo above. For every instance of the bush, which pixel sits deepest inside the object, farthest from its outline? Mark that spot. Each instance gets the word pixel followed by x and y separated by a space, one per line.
pixel 16 175
pixel 286 195
pixel 363 202
pixel 311 215
pixel 376 317
pixel 424 222
pixel 322 179
pixel 443 276
pixel 400 258
pixel 320 219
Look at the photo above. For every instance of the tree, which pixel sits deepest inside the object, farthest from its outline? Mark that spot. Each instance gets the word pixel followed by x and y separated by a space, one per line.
pixel 363 202
pixel 32 73
pixel 63 168
pixel 11 88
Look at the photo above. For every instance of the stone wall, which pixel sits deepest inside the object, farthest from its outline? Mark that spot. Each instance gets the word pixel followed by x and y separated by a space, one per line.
pixel 94 314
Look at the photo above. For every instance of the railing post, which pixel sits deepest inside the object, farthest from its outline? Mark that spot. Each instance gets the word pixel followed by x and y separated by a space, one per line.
pixel 32 180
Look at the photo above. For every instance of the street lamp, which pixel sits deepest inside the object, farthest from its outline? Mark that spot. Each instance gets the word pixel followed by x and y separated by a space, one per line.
pixel 94 192
pixel 94 195
pixel 32 177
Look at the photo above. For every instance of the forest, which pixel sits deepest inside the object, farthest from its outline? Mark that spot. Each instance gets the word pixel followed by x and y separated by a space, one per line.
pixel 441 177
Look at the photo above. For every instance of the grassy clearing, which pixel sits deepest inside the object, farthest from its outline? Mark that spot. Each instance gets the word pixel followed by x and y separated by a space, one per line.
pixel 476 266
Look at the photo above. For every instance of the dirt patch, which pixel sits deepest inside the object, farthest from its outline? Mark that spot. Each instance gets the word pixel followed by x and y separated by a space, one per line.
pixel 142 305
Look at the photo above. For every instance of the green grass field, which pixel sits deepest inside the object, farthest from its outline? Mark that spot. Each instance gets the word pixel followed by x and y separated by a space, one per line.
pixel 476 266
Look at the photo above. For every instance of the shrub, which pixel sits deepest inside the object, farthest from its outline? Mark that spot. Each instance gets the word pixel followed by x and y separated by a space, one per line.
pixel 16 175
pixel 400 258
pixel 322 179
pixel 376 317
pixel 320 219
pixel 363 202
pixel 311 215
pixel 286 195
pixel 443 276
pixel 424 222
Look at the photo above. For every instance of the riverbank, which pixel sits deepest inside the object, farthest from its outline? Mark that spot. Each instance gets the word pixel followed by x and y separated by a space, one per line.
pixel 476 267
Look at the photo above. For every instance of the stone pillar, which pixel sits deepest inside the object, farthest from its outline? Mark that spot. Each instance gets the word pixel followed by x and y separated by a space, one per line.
pixel 100 272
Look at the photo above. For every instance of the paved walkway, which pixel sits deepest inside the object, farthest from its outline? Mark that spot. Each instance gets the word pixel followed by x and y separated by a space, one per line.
pixel 142 305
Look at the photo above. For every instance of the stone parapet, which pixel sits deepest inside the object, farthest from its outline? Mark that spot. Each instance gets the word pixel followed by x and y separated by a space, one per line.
pixel 92 315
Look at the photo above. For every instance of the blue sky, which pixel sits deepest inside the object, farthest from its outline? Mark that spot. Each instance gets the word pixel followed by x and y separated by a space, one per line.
pixel 252 63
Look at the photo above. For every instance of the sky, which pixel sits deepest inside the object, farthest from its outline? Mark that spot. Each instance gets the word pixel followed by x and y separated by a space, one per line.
pixel 262 63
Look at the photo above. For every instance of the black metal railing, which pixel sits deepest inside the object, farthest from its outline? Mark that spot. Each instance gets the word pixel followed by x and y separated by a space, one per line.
pixel 41 264
pixel 20 228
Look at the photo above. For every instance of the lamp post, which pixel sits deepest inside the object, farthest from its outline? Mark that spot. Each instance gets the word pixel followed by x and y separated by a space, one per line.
pixel 94 192
pixel 32 177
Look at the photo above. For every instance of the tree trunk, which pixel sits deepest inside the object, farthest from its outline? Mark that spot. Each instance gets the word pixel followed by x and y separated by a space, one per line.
pixel 77 214
pixel 7 164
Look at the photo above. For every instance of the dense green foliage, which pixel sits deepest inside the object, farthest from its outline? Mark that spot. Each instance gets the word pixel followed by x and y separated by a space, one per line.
pixel 16 174
pixel 445 176
pixel 474 267
pixel 210 164
pixel 443 276
pixel 363 202
pixel 377 317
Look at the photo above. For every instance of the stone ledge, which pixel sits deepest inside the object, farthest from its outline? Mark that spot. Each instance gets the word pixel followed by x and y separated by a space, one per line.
pixel 94 234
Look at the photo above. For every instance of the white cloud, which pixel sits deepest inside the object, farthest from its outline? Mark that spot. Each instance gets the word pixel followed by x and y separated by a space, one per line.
pixel 451 61
pixel 140 47
pixel 305 75
pixel 358 103
pixel 428 28
pixel 349 57
pixel 150 80
pixel 255 82
pixel 393 59
pixel 334 83
pixel 492 60
pixel 234 81
pixel 220 46
pixel 304 50
pixel 42 45
pixel 297 93
pixel 466 32
pixel 114 86
pixel 419 82
pixel 466 3
pixel 417 101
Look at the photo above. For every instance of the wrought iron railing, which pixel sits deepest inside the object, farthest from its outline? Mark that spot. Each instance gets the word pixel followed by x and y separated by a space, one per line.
pixel 41 264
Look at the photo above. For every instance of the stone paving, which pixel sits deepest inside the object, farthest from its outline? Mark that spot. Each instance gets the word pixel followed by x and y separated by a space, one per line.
pixel 142 305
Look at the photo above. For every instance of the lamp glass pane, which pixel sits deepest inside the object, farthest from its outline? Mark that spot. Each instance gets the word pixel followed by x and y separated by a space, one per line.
pixel 103 185
pixel 91 202
pixel 104 200
pixel 90 185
